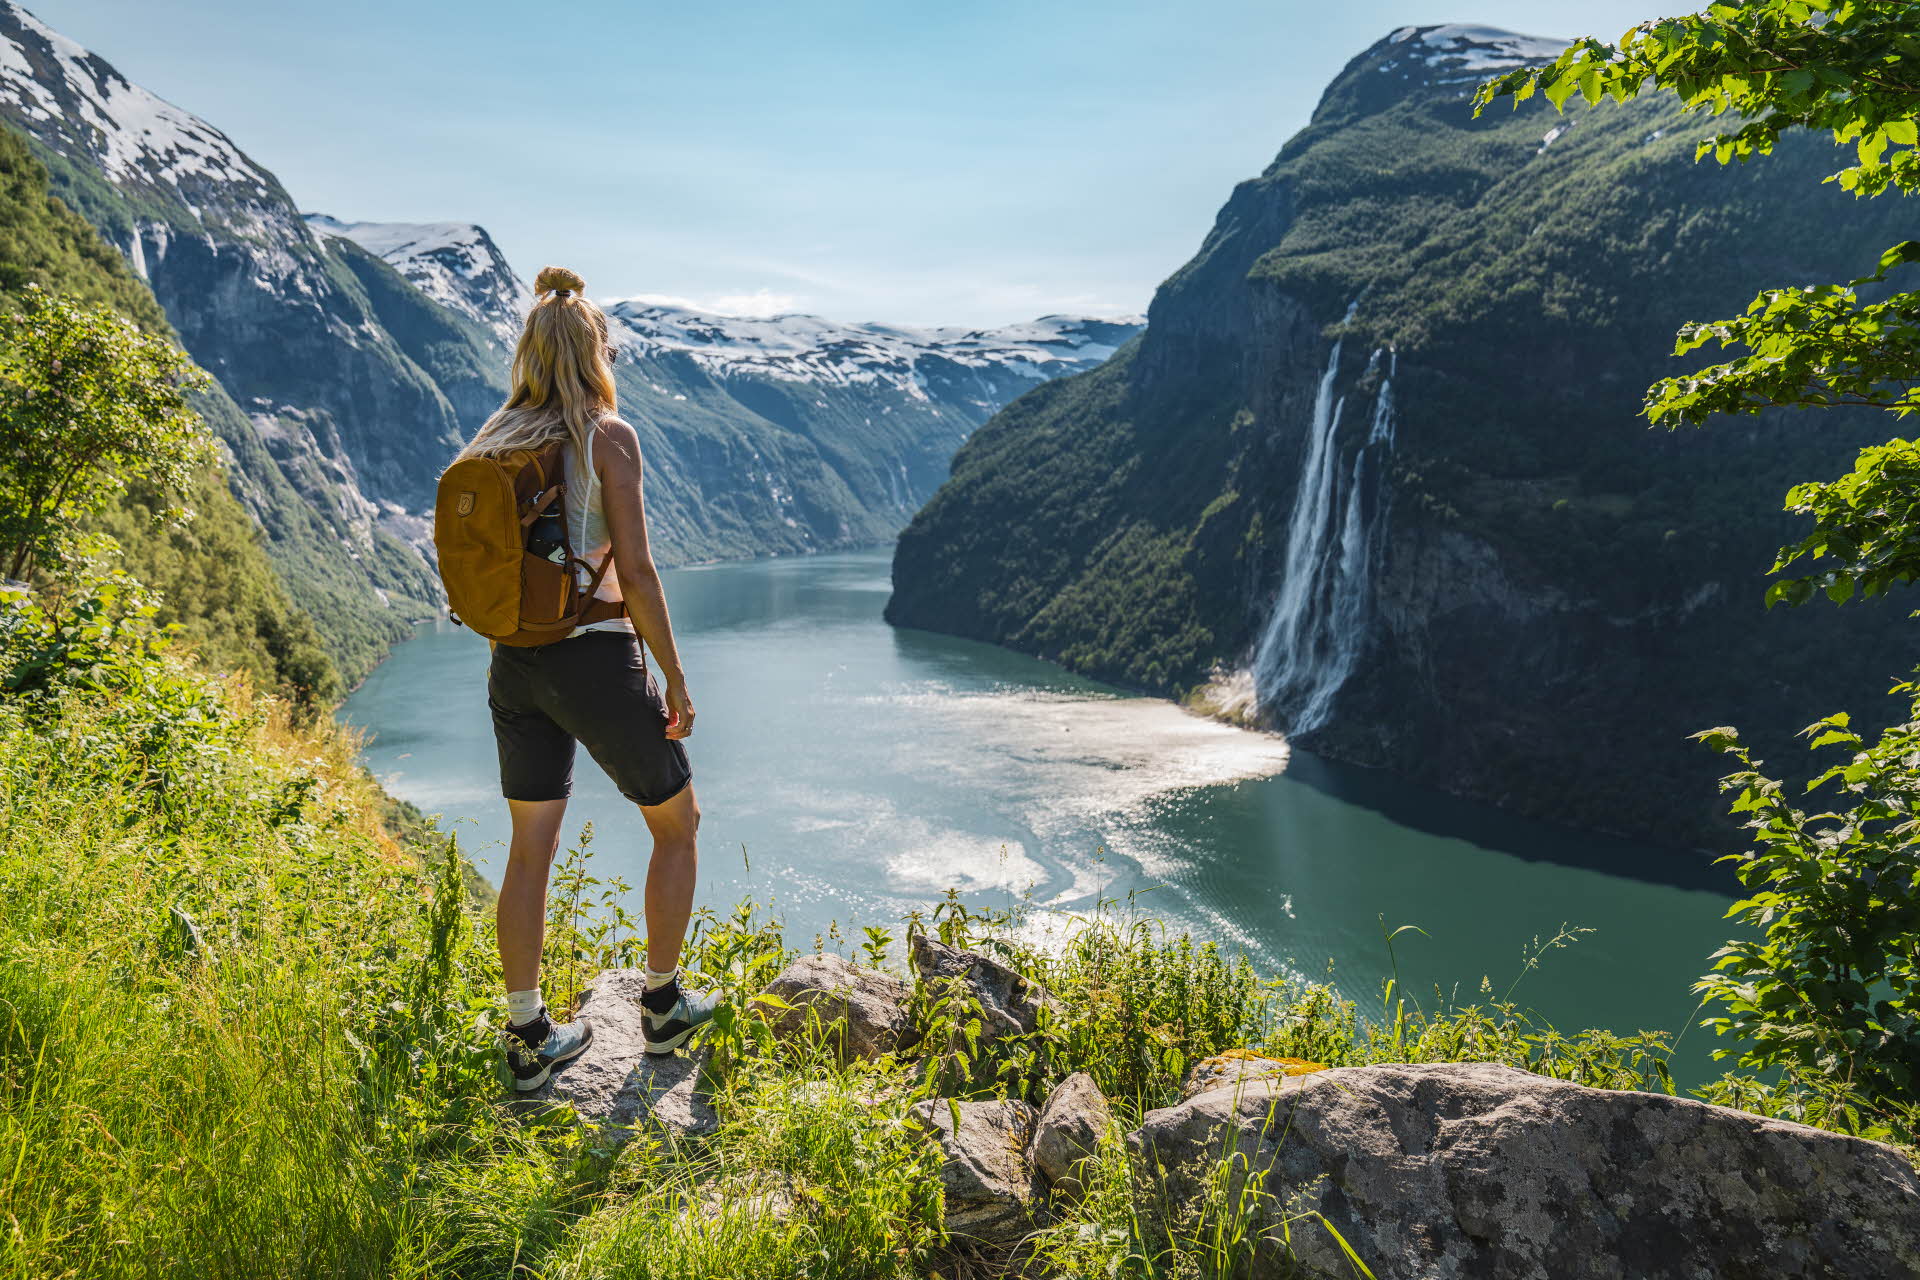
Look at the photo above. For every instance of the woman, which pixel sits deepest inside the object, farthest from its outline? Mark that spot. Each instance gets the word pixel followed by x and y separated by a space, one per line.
pixel 592 688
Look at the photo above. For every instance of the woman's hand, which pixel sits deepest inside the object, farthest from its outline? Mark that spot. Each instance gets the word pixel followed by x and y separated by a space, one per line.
pixel 679 710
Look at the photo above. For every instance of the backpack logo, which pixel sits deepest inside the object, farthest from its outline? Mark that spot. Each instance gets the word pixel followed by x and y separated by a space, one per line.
pixel 465 505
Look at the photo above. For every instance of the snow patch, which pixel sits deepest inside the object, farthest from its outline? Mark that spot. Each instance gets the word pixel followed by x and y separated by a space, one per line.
pixel 1461 53
pixel 1470 47
pixel 456 264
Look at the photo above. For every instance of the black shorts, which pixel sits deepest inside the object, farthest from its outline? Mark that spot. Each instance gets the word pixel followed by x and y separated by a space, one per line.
pixel 593 689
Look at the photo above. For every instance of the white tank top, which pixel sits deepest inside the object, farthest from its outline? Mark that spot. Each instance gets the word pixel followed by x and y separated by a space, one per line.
pixel 587 528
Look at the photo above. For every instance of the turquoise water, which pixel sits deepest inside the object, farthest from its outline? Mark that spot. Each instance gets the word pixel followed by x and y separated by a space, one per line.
pixel 849 772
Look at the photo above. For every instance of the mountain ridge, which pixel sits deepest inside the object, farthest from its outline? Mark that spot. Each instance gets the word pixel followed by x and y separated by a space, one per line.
pixel 779 435
pixel 459 265
pixel 354 357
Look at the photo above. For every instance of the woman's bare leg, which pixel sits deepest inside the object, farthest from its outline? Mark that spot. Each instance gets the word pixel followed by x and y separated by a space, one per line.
pixel 520 917
pixel 670 876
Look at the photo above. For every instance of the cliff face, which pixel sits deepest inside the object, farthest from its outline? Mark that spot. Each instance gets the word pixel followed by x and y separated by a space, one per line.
pixel 1379 450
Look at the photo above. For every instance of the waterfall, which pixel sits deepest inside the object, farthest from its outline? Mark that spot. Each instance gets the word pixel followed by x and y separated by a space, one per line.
pixel 1313 635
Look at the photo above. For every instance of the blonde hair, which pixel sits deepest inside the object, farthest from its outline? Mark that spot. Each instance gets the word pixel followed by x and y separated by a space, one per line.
pixel 562 381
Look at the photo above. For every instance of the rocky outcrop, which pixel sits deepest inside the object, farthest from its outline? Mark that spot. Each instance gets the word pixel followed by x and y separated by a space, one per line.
pixel 1452 1171
pixel 861 1013
pixel 1068 1130
pixel 1490 1173
pixel 1010 1005
pixel 985 1175
pixel 615 1083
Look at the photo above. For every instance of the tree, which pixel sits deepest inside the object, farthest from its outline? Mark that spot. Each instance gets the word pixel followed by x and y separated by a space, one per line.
pixel 89 403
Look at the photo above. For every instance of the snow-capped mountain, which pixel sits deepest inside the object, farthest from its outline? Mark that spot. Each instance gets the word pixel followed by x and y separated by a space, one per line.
pixel 78 105
pixel 983 367
pixel 354 356
pixel 456 264
pixel 311 381
pixel 881 407
pixel 782 433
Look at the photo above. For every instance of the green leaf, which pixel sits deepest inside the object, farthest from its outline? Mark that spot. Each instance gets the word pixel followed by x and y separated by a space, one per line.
pixel 1795 83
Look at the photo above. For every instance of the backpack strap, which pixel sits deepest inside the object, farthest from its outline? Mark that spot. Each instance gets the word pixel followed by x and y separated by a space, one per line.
pixel 602 611
pixel 596 609
pixel 541 501
pixel 591 609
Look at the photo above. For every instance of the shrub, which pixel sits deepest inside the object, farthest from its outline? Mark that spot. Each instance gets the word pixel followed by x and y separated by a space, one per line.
pixel 1830 990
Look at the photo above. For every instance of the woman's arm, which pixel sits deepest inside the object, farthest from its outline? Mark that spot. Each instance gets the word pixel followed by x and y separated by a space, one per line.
pixel 616 457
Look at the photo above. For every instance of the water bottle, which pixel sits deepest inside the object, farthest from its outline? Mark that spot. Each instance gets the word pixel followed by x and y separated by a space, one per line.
pixel 548 539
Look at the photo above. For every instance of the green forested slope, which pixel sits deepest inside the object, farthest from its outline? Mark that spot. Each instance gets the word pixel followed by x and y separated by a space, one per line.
pixel 213 573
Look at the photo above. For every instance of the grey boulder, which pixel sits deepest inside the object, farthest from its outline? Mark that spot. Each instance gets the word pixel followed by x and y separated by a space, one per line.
pixel 1481 1171
pixel 985 1176
pixel 862 1012
pixel 1010 1004
pixel 1068 1130
pixel 615 1084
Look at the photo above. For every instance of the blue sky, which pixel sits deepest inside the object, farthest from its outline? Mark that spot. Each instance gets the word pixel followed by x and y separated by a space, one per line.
pixel 923 163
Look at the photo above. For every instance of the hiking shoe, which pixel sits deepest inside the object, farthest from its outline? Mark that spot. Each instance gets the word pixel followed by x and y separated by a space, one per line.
pixel 665 1032
pixel 534 1050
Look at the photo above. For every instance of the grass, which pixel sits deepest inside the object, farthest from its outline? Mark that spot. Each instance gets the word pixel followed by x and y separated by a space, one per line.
pixel 245 1031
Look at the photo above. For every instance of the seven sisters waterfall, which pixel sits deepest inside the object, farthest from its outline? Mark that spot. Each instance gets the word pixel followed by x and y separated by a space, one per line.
pixel 1313 636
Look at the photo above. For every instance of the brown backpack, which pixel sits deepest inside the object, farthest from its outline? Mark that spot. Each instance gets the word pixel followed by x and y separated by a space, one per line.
pixel 495 584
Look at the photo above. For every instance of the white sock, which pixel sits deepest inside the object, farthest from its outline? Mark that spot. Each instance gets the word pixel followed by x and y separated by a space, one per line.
pixel 523 1006
pixel 655 981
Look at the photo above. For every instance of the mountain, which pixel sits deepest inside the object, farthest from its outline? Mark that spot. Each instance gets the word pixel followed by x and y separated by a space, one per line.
pixel 814 434
pixel 978 368
pixel 1375 469
pixel 456 264
pixel 783 434
pixel 353 357
pixel 328 422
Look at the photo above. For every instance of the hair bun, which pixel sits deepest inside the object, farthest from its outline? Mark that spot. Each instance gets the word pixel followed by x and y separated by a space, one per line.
pixel 552 278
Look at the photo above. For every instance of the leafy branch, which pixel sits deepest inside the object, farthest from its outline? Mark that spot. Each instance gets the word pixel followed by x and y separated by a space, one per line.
pixel 1851 68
